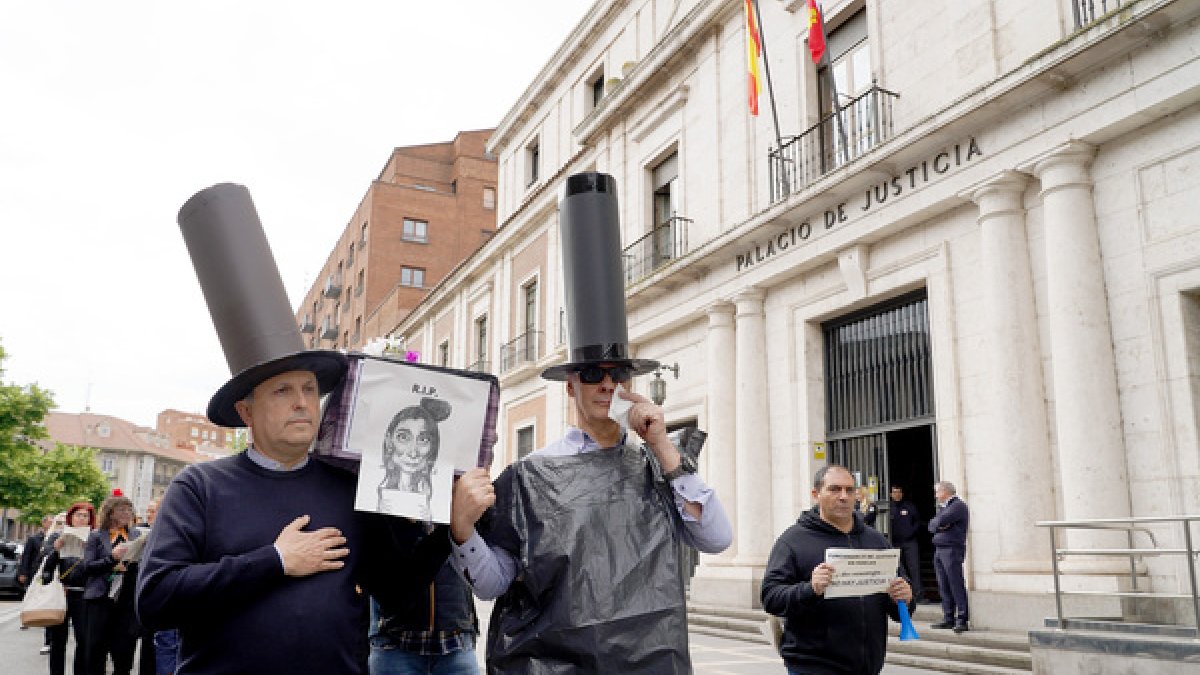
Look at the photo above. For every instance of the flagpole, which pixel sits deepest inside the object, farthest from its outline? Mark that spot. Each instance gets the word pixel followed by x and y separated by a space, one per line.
pixel 762 41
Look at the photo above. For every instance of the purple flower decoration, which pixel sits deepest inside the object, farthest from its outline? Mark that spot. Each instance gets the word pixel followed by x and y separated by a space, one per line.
pixel 412 356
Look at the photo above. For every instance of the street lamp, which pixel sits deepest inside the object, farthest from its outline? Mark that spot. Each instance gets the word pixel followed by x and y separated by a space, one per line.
pixel 658 386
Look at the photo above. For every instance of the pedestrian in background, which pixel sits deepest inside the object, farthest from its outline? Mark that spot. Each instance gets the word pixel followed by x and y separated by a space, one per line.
pixel 31 557
pixel 949 528
pixel 110 625
pixel 71 573
pixel 905 523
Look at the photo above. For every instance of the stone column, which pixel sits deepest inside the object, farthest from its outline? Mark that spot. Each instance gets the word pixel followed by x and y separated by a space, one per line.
pixel 753 451
pixel 1087 414
pixel 722 443
pixel 1018 473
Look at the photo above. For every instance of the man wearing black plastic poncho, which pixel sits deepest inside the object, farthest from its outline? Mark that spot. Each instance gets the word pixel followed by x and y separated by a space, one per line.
pixel 581 544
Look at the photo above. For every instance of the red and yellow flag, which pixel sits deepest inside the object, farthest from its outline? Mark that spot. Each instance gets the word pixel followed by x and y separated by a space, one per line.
pixel 816 32
pixel 753 54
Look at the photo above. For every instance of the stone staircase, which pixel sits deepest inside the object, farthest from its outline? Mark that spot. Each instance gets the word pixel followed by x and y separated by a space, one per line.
pixel 976 652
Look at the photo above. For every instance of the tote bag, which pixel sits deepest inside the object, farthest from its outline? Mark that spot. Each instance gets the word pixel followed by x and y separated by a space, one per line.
pixel 44 604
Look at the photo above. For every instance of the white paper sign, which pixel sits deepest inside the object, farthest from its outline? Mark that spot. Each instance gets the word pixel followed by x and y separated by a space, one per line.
pixel 413 428
pixel 860 572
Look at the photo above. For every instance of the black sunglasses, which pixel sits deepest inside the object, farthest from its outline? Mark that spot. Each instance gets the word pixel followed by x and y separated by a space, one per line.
pixel 595 374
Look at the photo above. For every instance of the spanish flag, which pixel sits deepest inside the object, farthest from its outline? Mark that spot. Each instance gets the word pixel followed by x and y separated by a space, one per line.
pixel 753 54
pixel 816 32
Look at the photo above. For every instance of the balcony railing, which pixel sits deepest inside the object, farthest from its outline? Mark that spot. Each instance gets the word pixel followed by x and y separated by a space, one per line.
pixel 525 349
pixel 329 330
pixel 660 246
pixel 481 366
pixel 838 139
pixel 307 325
pixel 333 287
pixel 1087 11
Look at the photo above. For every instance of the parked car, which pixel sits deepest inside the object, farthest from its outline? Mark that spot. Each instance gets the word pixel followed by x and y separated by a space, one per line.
pixel 10 557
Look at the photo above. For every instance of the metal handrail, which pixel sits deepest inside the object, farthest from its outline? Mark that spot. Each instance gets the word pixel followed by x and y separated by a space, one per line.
pixel 1130 526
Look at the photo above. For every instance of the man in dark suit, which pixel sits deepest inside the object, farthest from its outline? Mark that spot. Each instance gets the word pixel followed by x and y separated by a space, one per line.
pixel 31 555
pixel 905 524
pixel 949 528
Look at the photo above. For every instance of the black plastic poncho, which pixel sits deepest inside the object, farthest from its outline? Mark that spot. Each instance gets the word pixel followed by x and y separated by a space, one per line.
pixel 598 587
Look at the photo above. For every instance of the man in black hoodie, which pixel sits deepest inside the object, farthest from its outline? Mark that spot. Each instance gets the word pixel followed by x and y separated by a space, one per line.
pixel 837 635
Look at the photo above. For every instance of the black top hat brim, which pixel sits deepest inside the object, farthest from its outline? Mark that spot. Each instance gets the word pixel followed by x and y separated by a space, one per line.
pixel 559 373
pixel 328 366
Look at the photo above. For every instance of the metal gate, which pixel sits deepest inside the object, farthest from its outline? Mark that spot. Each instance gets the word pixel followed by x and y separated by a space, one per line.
pixel 878 379
pixel 878 367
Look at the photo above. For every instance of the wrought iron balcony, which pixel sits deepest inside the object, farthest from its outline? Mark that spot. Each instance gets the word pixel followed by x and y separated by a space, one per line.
pixel 660 246
pixel 525 349
pixel 481 366
pixel 333 287
pixel 838 139
pixel 1086 13
pixel 307 325
pixel 329 329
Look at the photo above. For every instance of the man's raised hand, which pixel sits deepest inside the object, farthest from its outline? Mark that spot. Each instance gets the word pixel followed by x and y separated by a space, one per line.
pixel 306 553
pixel 473 494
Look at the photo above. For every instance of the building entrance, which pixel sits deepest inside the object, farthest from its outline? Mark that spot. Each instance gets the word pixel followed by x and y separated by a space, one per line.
pixel 880 415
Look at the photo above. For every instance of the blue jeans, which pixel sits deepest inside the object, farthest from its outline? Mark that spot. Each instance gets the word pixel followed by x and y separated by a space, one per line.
pixel 388 660
pixel 166 652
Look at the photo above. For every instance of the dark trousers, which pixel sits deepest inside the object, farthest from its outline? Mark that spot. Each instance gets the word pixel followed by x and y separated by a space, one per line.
pixel 111 629
pixel 910 566
pixel 146 659
pixel 948 563
pixel 60 634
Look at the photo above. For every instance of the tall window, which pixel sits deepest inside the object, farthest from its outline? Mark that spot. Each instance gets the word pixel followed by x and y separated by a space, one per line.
pixel 413 277
pixel 361 277
pixel 362 241
pixel 597 89
pixel 530 295
pixel 415 230
pixel 481 349
pixel 850 64
pixel 666 194
pixel 533 158
pixel 524 441
pixel 531 344
pixel 444 353
pixel 489 197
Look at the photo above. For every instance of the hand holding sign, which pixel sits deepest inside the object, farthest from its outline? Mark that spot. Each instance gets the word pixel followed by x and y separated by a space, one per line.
pixel 858 572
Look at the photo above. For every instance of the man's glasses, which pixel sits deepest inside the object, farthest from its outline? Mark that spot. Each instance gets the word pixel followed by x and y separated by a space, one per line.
pixel 595 374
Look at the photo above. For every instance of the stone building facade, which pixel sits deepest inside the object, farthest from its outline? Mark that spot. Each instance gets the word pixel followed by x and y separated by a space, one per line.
pixel 978 261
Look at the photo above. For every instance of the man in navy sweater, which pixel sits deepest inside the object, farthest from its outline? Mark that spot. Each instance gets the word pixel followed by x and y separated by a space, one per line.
pixel 828 635
pixel 949 528
pixel 259 558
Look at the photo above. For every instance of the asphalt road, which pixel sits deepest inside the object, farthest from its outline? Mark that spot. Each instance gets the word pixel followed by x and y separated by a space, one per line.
pixel 710 655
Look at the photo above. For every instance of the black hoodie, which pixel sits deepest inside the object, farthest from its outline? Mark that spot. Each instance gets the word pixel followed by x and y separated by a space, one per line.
pixel 841 635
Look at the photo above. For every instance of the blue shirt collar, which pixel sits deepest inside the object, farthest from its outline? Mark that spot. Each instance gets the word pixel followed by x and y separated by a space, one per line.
pixel 270 464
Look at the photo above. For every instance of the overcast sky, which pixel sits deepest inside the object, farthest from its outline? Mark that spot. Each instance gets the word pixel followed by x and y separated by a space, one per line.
pixel 114 113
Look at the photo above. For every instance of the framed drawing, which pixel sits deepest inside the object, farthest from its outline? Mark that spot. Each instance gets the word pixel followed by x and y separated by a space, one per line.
pixel 408 429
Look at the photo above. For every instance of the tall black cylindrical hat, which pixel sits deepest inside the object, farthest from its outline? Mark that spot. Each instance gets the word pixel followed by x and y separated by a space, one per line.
pixel 246 299
pixel 592 271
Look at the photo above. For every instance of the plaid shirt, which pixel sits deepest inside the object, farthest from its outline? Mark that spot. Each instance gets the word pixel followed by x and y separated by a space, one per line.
pixel 429 643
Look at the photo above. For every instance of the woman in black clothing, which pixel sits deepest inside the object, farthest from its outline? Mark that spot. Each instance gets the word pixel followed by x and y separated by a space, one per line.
pixel 70 571
pixel 109 622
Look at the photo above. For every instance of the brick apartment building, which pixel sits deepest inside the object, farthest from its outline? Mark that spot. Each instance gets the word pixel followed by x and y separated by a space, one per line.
pixel 193 430
pixel 431 207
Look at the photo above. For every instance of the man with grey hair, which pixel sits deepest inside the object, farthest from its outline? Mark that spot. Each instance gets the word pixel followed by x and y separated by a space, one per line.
pixel 949 529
